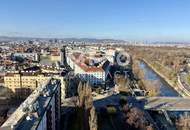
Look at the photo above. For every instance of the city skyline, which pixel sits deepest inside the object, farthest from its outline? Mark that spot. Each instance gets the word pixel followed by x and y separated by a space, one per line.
pixel 95 65
pixel 122 19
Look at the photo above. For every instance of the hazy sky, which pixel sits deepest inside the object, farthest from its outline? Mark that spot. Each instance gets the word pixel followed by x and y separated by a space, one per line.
pixel 158 20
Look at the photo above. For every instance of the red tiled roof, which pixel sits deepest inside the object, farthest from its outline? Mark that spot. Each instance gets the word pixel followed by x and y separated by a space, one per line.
pixel 76 57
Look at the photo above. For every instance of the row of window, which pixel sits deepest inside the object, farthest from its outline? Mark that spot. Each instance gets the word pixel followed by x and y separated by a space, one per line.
pixel 18 86
pixel 23 80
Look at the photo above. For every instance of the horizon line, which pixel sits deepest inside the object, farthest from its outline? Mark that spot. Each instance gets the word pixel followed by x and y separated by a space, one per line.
pixel 95 38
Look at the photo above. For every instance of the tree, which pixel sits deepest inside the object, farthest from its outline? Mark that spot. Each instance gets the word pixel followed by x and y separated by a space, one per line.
pixel 122 101
pixel 183 123
pixel 93 119
pixel 136 118
pixel 86 112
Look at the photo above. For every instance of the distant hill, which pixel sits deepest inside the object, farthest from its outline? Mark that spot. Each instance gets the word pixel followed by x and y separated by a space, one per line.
pixel 92 40
pixel 7 38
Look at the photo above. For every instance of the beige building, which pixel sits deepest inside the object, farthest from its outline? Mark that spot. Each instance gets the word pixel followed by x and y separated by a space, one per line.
pixel 22 84
pixel 54 58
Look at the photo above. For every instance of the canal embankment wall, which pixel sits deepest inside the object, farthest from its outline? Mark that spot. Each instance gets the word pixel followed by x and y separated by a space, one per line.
pixel 176 87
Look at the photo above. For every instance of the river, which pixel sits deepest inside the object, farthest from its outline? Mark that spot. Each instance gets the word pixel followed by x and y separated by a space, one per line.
pixel 165 89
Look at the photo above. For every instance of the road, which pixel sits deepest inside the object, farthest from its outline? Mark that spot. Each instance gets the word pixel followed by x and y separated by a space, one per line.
pixel 183 84
pixel 165 103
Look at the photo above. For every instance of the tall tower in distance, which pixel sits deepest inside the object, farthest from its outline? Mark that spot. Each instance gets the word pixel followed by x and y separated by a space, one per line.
pixel 63 56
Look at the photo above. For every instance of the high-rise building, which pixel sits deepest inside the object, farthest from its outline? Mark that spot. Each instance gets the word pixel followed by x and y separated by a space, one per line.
pixel 40 111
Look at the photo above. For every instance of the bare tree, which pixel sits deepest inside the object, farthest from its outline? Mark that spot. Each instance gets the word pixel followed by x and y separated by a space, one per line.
pixel 87 111
pixel 137 119
pixel 93 119
pixel 183 123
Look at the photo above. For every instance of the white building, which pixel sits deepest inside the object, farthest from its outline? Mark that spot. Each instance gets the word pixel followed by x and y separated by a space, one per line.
pixel 93 74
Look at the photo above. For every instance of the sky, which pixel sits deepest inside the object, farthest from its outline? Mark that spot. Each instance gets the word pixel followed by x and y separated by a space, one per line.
pixel 147 20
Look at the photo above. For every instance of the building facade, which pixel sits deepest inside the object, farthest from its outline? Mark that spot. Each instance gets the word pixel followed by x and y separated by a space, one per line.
pixel 21 84
pixel 32 56
pixel 40 111
pixel 95 75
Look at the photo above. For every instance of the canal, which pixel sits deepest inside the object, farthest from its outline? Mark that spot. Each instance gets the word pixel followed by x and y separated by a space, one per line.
pixel 150 75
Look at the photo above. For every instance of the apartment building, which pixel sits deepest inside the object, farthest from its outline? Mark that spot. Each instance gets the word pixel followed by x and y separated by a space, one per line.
pixel 86 69
pixel 23 83
pixel 40 111
pixel 32 56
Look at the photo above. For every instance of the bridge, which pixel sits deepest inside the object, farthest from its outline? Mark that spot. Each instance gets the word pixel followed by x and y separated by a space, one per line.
pixel 150 103
pixel 165 103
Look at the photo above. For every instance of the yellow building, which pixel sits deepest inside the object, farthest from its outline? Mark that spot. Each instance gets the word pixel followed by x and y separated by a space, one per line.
pixel 22 84
pixel 55 58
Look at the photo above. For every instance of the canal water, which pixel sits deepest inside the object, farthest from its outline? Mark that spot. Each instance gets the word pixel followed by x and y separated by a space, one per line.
pixel 149 74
